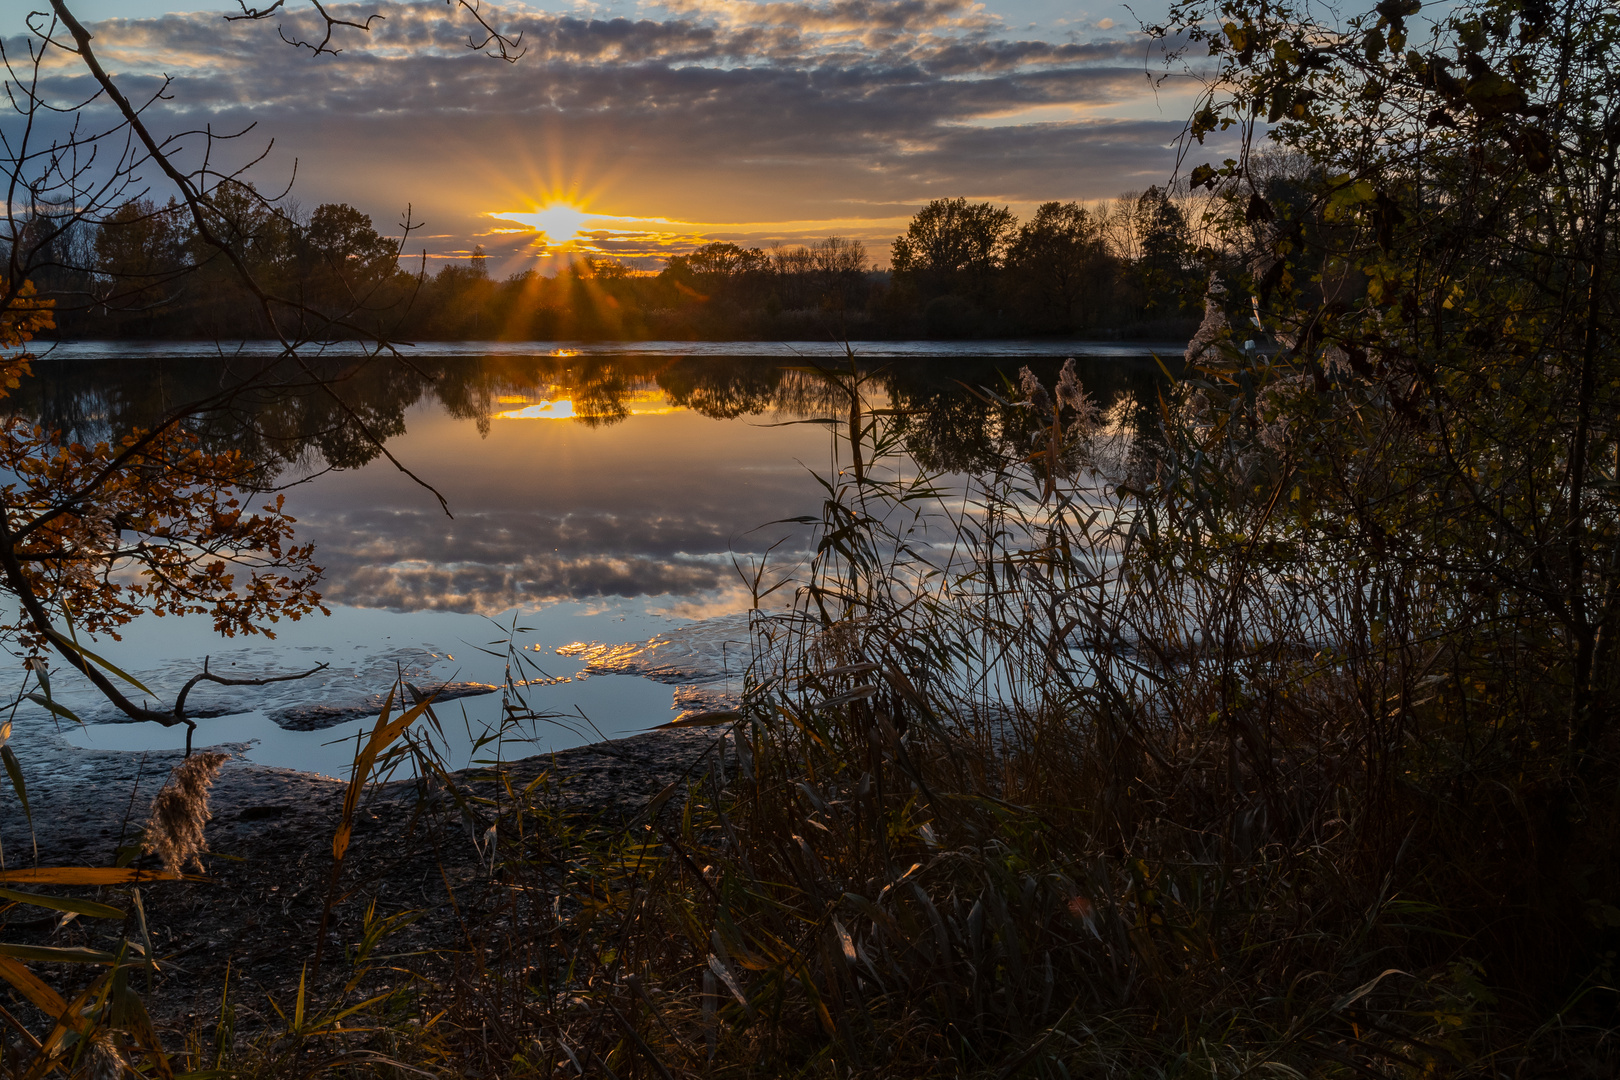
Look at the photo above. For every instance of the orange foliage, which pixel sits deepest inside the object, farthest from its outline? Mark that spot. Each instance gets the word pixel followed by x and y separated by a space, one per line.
pixel 161 528
pixel 20 320
pixel 152 522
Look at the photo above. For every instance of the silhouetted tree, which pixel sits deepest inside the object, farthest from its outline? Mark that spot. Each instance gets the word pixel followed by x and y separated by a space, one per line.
pixel 948 257
pixel 141 241
pixel 343 239
pixel 1057 267
pixel 1164 272
pixel 951 236
pixel 722 260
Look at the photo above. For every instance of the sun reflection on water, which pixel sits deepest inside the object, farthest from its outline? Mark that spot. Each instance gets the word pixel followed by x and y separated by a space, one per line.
pixel 637 403
pixel 561 409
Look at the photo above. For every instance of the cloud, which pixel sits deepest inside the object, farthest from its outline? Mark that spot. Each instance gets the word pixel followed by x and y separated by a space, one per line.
pixel 769 116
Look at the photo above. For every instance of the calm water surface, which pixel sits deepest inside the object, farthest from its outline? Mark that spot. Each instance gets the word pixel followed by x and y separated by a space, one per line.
pixel 598 497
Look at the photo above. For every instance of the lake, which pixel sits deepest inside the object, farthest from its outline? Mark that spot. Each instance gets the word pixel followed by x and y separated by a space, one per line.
pixel 601 499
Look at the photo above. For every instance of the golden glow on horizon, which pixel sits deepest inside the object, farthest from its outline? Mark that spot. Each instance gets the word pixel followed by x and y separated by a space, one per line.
pixel 563 229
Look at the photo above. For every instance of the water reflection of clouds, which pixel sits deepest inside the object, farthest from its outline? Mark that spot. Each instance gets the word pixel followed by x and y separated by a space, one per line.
pixel 669 464
pixel 650 508
pixel 491 587
pixel 486 568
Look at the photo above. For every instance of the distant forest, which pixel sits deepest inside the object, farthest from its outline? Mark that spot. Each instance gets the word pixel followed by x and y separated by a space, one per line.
pixel 1133 267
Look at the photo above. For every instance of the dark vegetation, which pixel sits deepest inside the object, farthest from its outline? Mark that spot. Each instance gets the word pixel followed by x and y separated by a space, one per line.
pixel 1132 268
pixel 1272 732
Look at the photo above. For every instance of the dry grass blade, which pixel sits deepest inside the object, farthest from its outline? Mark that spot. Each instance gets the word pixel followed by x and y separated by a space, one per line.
pixel 85 875
pixel 384 732
pixel 64 903
pixel 37 992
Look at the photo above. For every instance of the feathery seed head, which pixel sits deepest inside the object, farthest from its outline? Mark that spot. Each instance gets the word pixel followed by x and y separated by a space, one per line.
pixel 174 830
pixel 101 1060
pixel 1036 399
pixel 1215 325
pixel 1072 396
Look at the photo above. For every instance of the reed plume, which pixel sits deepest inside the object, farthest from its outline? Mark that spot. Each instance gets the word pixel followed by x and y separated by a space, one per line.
pixel 174 830
pixel 102 1061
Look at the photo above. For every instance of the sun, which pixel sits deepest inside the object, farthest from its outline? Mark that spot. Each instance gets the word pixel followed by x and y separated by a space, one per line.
pixel 559 221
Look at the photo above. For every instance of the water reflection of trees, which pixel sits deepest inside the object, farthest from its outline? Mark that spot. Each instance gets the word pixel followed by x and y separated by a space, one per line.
pixel 723 387
pixel 294 427
pixel 283 420
pixel 952 417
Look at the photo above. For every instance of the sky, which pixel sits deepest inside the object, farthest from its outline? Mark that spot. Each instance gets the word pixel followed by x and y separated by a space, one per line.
pixel 639 129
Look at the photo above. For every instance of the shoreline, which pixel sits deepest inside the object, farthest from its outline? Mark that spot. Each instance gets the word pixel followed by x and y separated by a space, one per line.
pixel 252 921
pixel 90 798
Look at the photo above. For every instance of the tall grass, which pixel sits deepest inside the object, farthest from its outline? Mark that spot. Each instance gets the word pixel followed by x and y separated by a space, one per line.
pixel 1103 767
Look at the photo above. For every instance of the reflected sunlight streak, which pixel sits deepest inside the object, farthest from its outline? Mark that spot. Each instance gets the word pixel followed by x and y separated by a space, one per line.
pixel 643 403
pixel 561 409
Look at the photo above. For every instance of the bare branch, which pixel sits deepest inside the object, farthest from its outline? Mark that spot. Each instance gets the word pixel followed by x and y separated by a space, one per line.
pixel 330 22
pixel 509 49
pixel 495 43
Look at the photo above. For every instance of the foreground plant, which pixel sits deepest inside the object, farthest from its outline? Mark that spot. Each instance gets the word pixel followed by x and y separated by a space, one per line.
pixel 99 1026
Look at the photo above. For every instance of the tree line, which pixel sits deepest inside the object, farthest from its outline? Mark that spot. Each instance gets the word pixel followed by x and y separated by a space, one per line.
pixel 1130 267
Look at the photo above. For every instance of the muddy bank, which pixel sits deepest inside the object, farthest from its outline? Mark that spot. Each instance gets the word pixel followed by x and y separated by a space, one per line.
pixel 257 914
pixel 85 804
